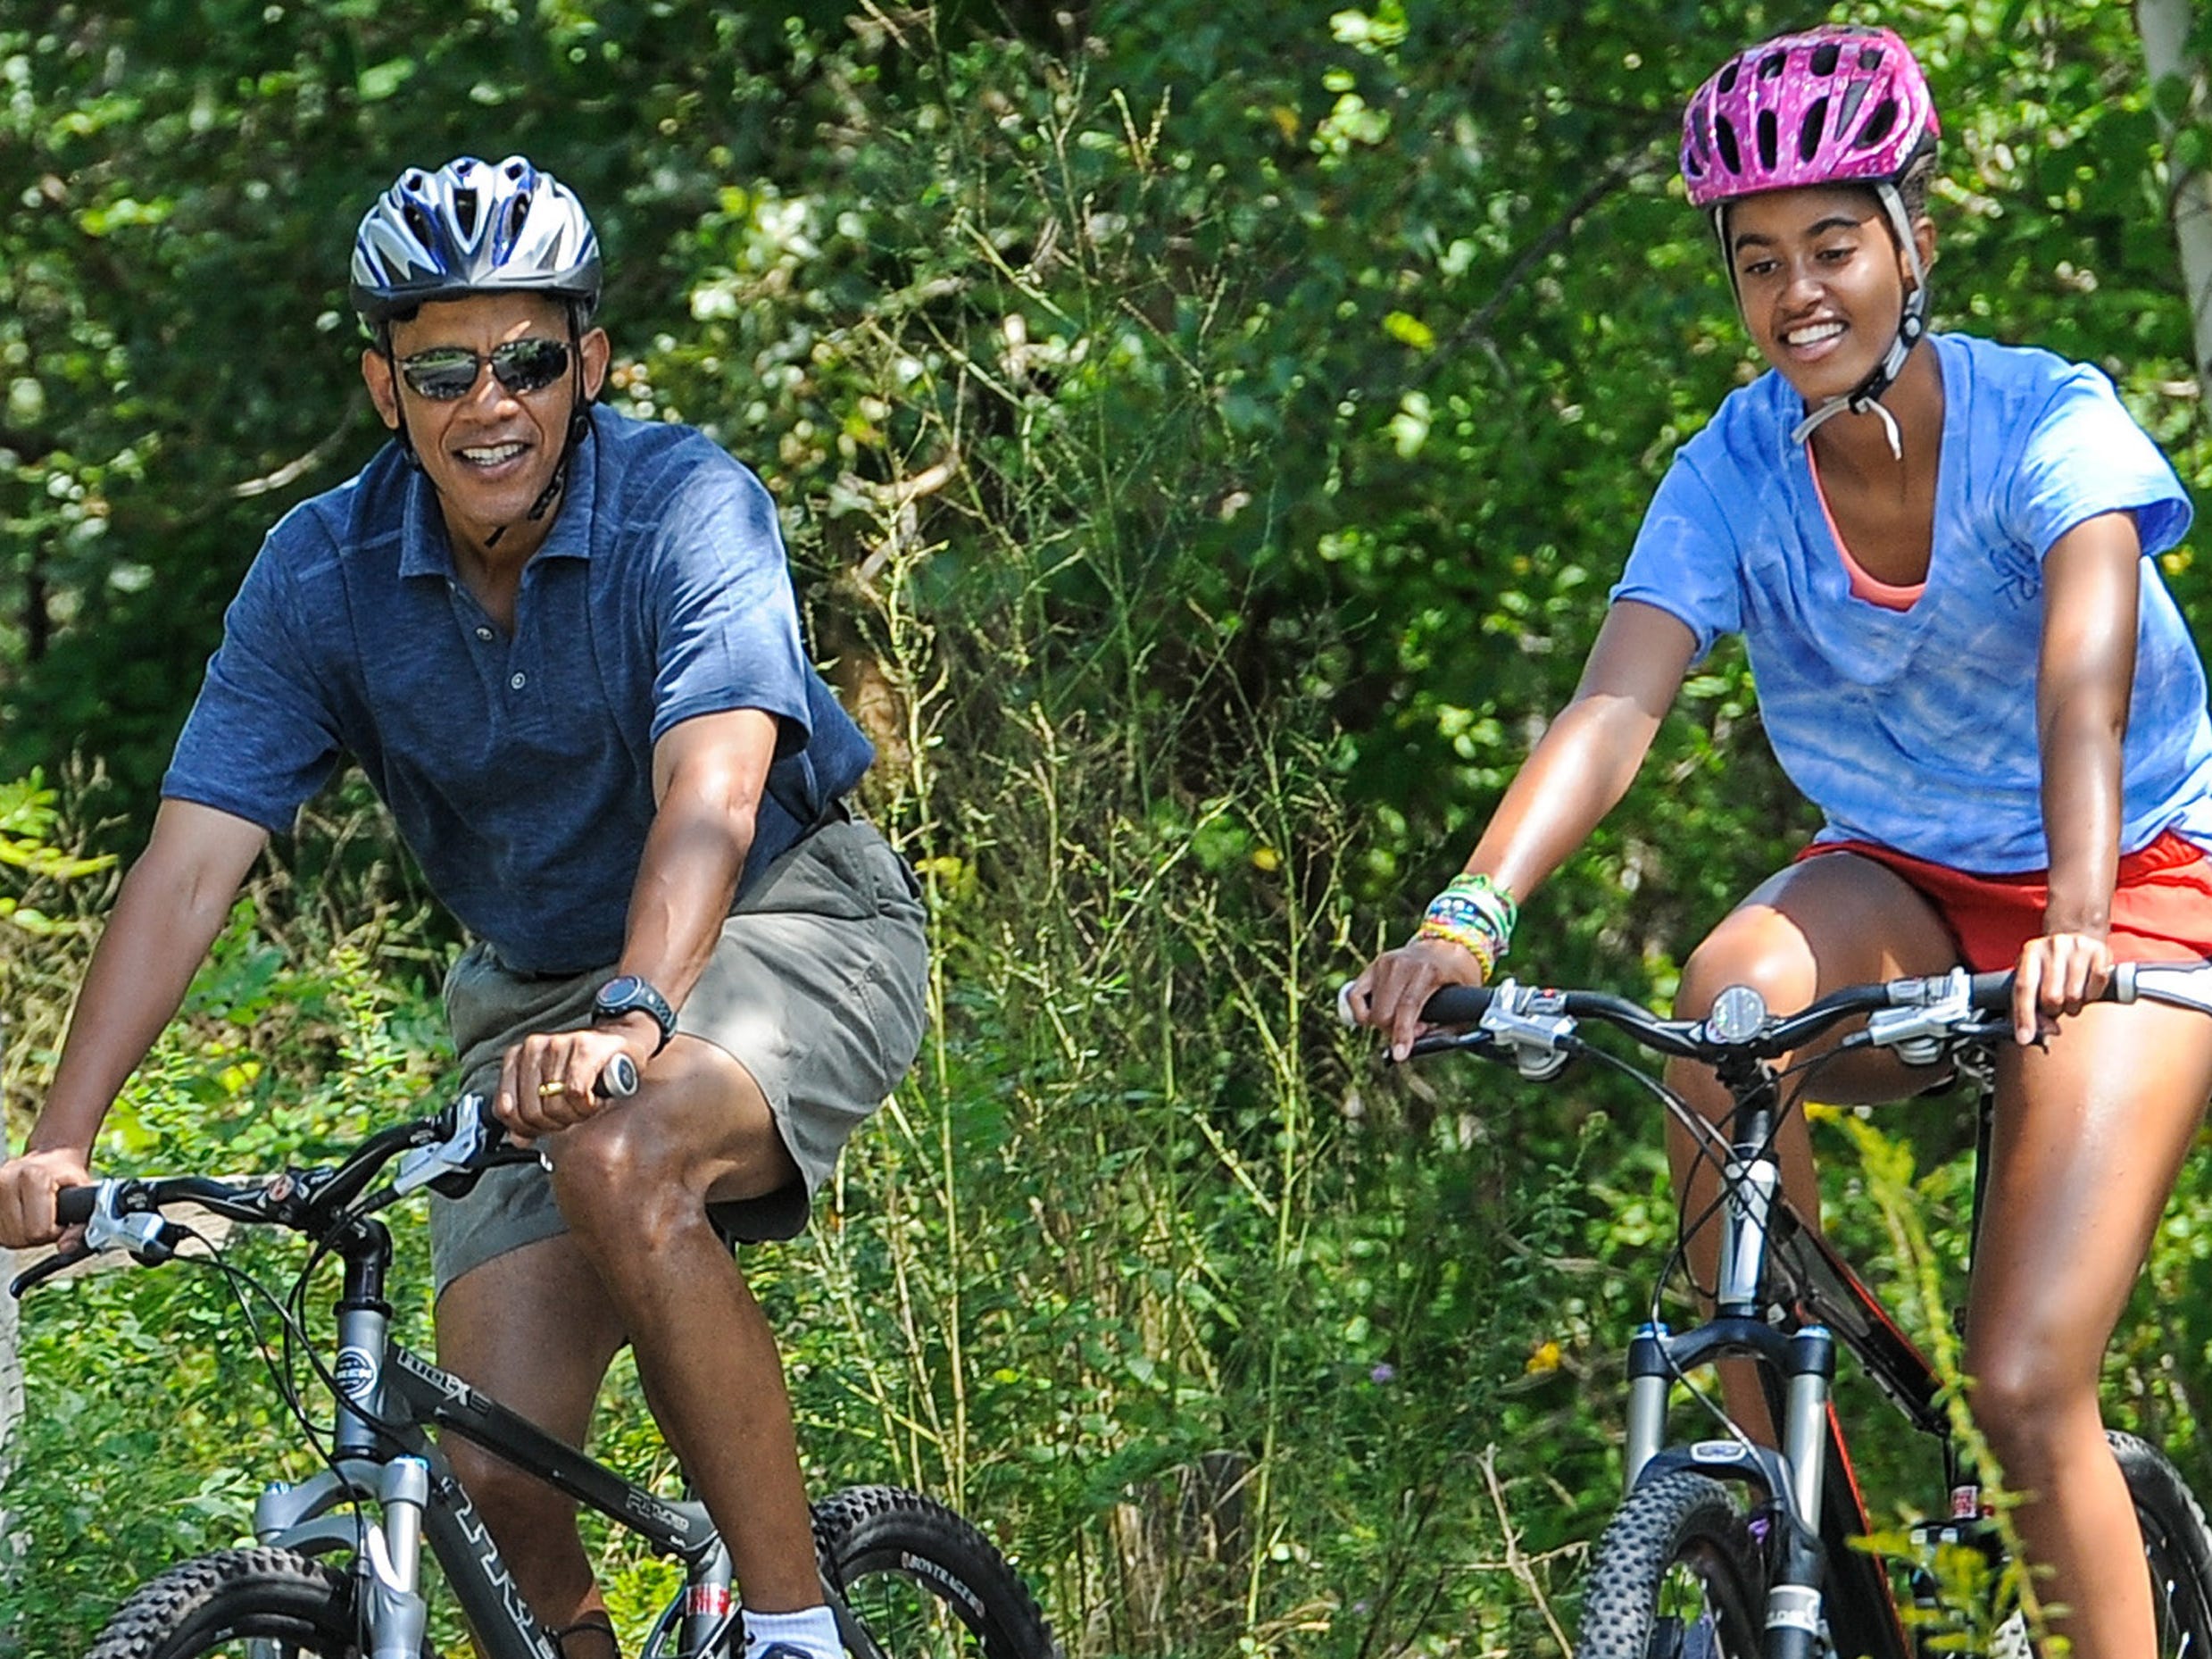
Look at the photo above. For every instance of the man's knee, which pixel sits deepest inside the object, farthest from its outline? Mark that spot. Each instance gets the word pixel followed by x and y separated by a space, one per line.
pixel 628 1185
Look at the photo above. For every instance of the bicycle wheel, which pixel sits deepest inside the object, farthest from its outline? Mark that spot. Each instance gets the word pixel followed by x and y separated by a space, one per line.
pixel 922 1582
pixel 239 1604
pixel 2176 1544
pixel 1676 1576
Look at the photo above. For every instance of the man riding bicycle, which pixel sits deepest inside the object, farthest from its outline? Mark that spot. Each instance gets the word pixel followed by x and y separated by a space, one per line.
pixel 563 646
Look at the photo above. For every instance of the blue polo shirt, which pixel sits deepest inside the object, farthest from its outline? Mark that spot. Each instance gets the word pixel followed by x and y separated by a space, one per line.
pixel 519 767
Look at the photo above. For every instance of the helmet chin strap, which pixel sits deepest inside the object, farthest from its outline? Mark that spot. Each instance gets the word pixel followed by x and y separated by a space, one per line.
pixel 580 427
pixel 1866 397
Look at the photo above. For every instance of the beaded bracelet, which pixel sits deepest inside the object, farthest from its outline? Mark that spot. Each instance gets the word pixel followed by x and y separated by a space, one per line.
pixel 1476 945
pixel 1481 890
pixel 1474 913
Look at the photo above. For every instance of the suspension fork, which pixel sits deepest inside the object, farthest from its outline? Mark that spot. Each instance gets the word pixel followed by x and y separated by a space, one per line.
pixel 388 1562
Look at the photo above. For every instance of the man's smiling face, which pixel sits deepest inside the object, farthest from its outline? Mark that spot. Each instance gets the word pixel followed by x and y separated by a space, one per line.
pixel 492 450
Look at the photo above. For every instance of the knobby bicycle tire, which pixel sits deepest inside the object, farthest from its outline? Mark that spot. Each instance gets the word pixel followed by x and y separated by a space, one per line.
pixel 1677 1574
pixel 2176 1546
pixel 212 1608
pixel 923 1582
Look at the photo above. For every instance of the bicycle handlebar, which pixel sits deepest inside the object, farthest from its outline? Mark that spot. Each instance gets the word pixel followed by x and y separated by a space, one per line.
pixel 1917 1017
pixel 458 1142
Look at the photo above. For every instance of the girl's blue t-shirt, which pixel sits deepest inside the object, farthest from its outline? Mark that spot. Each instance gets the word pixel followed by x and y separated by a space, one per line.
pixel 1916 729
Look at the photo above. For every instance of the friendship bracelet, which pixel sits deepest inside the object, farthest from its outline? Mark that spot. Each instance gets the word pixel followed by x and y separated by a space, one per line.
pixel 1474 912
pixel 1457 910
pixel 1476 945
pixel 1482 890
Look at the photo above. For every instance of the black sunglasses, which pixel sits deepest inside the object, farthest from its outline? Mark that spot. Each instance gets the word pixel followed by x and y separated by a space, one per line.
pixel 445 372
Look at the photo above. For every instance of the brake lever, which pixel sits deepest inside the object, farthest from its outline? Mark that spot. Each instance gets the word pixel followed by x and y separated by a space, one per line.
pixel 1476 1042
pixel 1920 1032
pixel 1523 1021
pixel 459 1156
pixel 39 1272
pixel 479 1140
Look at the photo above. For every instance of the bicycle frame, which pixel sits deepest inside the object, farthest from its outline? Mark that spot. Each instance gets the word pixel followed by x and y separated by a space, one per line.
pixel 1786 1299
pixel 389 1398
pixel 1783 1299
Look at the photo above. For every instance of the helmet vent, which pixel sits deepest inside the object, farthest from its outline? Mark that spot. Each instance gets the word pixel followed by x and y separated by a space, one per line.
pixel 473 226
pixel 1829 105
pixel 1878 125
pixel 1854 94
pixel 1808 134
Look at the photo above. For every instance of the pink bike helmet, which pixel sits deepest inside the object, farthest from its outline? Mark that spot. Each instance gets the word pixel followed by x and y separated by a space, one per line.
pixel 1833 106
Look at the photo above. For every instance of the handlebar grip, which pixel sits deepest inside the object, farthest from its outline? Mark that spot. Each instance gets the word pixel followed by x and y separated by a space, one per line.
pixel 74 1205
pixel 1990 993
pixel 1457 1004
pixel 618 1079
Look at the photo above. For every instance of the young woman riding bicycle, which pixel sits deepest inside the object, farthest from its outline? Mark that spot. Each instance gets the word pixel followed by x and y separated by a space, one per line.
pixel 1940 553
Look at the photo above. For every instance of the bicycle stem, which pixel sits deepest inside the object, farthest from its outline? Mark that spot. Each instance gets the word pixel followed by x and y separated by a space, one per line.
pixel 364 1327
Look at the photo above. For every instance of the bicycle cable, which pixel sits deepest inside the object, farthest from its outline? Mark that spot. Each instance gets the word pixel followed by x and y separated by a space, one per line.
pixel 290 1314
pixel 1716 1153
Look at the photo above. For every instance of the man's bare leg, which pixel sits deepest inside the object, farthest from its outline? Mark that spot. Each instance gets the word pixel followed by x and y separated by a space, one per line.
pixel 534 1329
pixel 633 1183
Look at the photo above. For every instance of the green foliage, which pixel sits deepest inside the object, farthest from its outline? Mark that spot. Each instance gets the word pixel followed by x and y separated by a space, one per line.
pixel 1207 434
pixel 29 817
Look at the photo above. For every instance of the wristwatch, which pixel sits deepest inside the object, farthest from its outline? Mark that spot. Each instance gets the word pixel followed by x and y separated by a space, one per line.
pixel 626 994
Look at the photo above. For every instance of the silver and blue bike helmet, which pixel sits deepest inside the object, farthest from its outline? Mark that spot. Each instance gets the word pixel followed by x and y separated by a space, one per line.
pixel 473 226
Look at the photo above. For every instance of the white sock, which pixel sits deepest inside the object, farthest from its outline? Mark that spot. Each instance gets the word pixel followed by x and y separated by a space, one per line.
pixel 813 1631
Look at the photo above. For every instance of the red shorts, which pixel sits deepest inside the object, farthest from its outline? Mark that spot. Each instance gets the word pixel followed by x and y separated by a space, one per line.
pixel 2162 904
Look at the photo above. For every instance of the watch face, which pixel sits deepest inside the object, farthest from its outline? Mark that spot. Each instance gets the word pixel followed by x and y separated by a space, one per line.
pixel 626 994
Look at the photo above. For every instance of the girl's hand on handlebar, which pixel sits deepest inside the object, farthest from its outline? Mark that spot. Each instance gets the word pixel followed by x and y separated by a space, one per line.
pixel 27 1188
pixel 1398 984
pixel 2058 974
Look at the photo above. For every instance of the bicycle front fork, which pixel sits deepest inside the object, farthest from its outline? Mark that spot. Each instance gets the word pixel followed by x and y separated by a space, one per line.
pixel 1806 1361
pixel 388 1550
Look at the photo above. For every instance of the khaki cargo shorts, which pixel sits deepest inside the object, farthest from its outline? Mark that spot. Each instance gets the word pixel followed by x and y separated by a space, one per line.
pixel 817 988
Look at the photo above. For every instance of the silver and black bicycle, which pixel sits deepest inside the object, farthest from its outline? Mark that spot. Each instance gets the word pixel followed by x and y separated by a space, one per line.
pixel 337 1571
pixel 1726 1548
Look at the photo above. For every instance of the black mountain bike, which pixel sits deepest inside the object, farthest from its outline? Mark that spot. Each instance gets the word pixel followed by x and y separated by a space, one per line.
pixel 1725 1548
pixel 336 1571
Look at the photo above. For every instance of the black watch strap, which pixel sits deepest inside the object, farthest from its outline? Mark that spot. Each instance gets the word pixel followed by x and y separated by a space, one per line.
pixel 626 995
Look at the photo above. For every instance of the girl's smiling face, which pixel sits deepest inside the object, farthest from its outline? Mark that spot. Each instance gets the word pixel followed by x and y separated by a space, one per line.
pixel 1821 282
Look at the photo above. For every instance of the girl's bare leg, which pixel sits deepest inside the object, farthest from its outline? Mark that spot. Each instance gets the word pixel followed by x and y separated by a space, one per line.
pixel 2091 1133
pixel 1830 921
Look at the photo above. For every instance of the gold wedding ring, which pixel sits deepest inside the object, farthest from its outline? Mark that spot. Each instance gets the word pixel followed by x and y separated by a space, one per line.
pixel 545 1089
